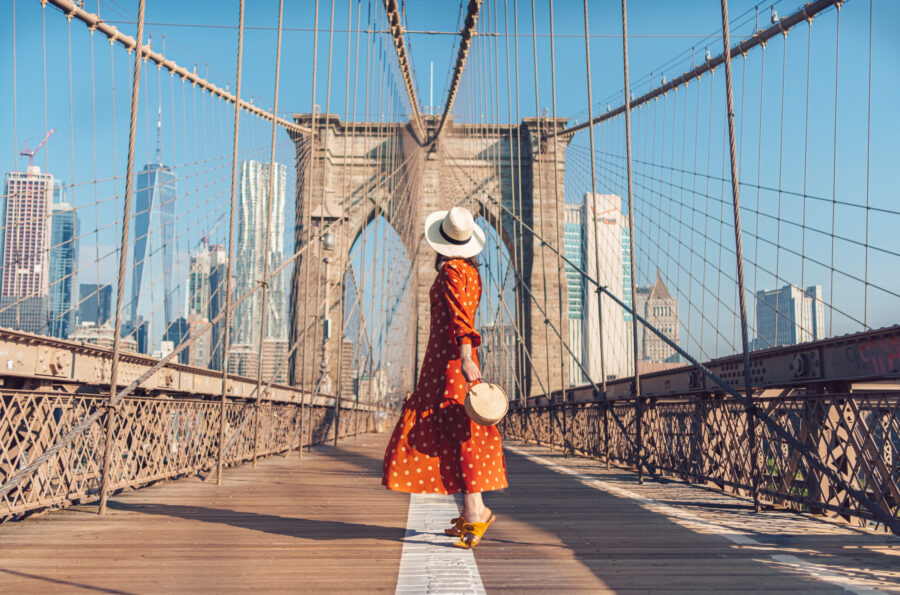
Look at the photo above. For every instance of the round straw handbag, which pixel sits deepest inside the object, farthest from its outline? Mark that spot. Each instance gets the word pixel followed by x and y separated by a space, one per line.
pixel 486 404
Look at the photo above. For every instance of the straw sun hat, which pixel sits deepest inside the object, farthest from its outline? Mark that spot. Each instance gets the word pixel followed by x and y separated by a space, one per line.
pixel 453 233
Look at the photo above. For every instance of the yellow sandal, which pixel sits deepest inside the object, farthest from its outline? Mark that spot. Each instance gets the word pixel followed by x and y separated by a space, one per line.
pixel 474 533
pixel 459 527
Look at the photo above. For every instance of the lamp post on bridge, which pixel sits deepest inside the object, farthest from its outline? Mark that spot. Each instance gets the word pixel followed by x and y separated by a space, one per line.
pixel 324 382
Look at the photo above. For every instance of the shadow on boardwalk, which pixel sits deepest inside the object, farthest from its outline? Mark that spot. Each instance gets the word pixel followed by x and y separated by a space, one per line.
pixel 267 523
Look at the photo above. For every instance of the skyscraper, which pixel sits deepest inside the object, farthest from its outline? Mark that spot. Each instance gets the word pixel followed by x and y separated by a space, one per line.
pixel 177 333
pixel 603 225
pixel 64 231
pixel 251 257
pixel 789 315
pixel 94 303
pixel 218 270
pixel 198 353
pixel 198 283
pixel 26 250
pixel 153 288
pixel 573 240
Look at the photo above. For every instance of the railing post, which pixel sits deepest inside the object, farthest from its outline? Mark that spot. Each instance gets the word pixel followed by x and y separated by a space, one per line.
pixel 606 405
pixel 123 261
pixel 739 255
pixel 228 287
pixel 606 412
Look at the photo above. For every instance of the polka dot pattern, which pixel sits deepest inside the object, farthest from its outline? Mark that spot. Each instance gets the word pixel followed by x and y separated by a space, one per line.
pixel 435 447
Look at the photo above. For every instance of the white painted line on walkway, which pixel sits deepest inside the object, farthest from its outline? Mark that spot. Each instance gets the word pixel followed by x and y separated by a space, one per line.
pixel 702 525
pixel 429 562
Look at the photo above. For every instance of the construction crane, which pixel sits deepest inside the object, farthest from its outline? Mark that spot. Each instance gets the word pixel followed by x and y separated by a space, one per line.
pixel 26 152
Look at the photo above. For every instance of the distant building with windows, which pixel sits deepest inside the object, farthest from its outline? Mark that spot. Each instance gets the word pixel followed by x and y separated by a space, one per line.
pixel 257 209
pixel 660 309
pixel 573 242
pixel 604 225
pixel 94 303
pixel 101 336
pixel 176 334
pixel 198 282
pixel 218 275
pixel 154 290
pixel 64 232
pixel 25 272
pixel 788 316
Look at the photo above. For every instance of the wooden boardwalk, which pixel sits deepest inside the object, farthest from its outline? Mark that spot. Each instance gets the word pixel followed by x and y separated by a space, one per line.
pixel 325 524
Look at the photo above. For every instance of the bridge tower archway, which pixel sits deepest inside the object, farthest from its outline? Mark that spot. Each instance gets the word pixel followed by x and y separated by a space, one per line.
pixel 355 172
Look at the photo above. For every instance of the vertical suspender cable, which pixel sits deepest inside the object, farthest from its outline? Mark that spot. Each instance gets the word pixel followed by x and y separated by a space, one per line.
pixel 837 63
pixel 515 194
pixel 739 254
pixel 230 265
pixel 868 173
pixel 540 183
pixel 805 157
pixel 307 221
pixel 520 295
pixel 325 282
pixel 634 343
pixel 590 109
pixel 560 218
pixel 347 173
pixel 15 90
pixel 123 257
pixel 265 277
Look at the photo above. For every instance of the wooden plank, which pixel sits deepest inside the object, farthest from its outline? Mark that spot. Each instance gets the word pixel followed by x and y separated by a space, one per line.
pixel 325 524
pixel 320 524
pixel 556 534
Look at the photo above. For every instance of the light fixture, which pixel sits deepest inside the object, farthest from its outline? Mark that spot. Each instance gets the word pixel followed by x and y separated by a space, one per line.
pixel 328 241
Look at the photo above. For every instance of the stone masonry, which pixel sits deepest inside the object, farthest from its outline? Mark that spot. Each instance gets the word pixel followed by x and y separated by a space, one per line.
pixel 344 180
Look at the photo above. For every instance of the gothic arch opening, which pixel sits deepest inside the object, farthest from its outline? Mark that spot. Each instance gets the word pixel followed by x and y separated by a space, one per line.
pixel 496 318
pixel 380 313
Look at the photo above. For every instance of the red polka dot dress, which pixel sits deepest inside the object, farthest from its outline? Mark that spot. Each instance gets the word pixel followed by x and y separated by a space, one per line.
pixel 436 447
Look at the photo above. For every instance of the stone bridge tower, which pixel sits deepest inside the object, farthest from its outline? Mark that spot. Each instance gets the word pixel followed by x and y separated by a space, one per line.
pixel 351 173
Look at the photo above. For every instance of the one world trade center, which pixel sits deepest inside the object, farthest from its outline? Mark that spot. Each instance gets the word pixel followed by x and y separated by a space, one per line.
pixel 153 286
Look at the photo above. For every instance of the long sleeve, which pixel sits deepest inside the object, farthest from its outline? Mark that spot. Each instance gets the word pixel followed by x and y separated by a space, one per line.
pixel 461 298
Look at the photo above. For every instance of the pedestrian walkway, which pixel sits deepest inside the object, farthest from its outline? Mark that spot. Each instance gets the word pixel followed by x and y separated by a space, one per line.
pixel 325 524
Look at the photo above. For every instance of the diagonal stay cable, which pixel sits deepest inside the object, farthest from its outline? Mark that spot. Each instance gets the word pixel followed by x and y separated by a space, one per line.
pixel 807 12
pixel 753 409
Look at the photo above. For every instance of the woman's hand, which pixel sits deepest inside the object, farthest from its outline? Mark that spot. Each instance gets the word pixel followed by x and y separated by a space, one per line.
pixel 470 369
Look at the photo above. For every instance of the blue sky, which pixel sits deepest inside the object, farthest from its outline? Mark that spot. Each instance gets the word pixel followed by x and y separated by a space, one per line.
pixel 665 38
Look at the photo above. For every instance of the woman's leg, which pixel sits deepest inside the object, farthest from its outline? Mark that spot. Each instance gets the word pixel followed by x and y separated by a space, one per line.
pixel 474 509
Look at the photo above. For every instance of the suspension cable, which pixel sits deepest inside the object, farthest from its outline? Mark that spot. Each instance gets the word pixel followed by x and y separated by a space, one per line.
pixel 123 257
pixel 759 38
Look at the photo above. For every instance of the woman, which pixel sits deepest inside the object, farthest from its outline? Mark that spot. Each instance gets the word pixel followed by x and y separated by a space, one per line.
pixel 436 448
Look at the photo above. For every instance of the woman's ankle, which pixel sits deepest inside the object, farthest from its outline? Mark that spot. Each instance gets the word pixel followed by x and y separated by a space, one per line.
pixel 480 515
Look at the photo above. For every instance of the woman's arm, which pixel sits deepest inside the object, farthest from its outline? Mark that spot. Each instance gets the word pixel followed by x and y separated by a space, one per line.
pixel 461 304
pixel 469 368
